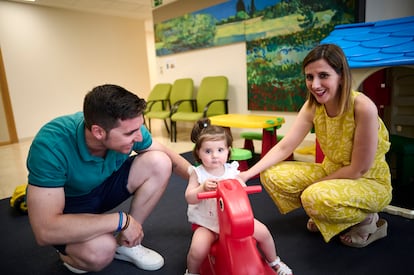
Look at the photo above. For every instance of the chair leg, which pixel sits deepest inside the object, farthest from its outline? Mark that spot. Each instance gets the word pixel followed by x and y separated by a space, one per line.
pixel 173 131
pixel 145 122
pixel 166 126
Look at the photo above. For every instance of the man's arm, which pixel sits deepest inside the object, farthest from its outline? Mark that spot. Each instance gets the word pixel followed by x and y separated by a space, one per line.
pixel 180 165
pixel 50 226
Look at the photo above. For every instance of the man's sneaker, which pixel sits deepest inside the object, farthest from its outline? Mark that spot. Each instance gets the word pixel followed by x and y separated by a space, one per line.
pixel 73 269
pixel 141 256
pixel 187 273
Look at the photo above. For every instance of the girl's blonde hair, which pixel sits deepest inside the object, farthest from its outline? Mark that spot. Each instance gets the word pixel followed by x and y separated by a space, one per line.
pixel 336 58
pixel 204 131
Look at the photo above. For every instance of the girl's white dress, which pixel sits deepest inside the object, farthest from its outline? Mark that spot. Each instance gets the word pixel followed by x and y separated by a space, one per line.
pixel 205 212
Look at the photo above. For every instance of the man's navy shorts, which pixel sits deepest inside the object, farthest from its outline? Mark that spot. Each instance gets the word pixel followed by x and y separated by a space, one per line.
pixel 112 192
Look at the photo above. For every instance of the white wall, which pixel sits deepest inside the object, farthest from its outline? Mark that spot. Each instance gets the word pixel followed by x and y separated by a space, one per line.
pixel 377 10
pixel 225 60
pixel 52 57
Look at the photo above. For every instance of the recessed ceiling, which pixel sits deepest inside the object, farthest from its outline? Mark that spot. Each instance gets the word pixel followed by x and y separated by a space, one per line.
pixel 138 9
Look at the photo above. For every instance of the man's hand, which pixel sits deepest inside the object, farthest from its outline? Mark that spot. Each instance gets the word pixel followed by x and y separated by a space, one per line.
pixel 132 235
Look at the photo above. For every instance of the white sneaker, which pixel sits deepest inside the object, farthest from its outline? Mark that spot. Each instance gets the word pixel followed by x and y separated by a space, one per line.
pixel 73 269
pixel 141 256
pixel 186 273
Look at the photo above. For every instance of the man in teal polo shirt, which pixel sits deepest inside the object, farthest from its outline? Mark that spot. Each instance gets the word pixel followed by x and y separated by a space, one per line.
pixel 81 166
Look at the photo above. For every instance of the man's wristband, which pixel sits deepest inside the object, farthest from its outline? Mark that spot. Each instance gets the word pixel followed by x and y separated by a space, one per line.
pixel 126 223
pixel 121 217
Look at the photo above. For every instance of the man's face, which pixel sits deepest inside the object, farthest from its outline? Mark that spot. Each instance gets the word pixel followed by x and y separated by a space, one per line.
pixel 123 137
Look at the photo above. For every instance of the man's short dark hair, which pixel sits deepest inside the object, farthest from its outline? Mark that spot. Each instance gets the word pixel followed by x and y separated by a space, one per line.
pixel 105 105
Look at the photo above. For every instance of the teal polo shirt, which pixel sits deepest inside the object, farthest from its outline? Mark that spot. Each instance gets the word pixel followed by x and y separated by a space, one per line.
pixel 59 157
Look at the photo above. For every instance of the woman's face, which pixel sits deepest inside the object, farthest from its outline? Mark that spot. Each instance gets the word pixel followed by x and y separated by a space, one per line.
pixel 323 82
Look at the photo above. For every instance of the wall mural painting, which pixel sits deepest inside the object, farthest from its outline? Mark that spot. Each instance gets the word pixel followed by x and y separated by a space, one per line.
pixel 278 35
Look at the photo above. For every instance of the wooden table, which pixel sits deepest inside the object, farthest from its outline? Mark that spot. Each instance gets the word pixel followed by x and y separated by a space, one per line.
pixel 267 123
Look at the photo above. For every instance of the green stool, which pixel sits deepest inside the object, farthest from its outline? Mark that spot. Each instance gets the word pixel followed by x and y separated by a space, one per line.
pixel 250 136
pixel 241 155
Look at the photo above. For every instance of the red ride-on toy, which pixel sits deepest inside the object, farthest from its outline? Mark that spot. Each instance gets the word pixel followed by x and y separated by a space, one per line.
pixel 235 252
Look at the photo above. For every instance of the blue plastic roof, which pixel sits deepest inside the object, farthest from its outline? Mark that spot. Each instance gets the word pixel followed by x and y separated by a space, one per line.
pixel 376 44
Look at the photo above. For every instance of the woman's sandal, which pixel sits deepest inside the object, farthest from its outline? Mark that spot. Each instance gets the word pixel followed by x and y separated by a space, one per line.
pixel 280 267
pixel 377 229
pixel 311 226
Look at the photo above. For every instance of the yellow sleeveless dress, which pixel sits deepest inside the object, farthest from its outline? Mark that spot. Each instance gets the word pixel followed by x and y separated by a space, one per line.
pixel 334 205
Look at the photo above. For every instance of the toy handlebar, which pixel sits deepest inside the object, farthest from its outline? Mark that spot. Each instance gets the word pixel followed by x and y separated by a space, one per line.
pixel 253 189
pixel 213 194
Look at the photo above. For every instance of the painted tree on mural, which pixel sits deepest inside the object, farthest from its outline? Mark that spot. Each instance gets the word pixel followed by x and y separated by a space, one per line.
pixel 274 73
pixel 240 6
pixel 192 31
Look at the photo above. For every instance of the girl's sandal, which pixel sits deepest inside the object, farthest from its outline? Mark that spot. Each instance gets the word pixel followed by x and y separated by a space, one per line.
pixel 375 230
pixel 311 226
pixel 280 267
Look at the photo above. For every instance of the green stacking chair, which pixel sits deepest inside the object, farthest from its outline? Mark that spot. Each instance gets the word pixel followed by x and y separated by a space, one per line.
pixel 181 89
pixel 158 102
pixel 211 100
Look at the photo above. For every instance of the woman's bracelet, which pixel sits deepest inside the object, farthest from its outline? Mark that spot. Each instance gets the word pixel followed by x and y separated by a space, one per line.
pixel 126 223
pixel 121 217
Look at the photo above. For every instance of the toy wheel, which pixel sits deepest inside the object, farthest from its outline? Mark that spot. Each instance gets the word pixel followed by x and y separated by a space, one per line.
pixel 20 205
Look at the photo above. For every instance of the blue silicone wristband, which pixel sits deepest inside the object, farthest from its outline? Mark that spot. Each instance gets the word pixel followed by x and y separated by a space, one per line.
pixel 121 217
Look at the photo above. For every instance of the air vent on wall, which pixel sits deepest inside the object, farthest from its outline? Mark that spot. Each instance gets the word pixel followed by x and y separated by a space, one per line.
pixel 159 3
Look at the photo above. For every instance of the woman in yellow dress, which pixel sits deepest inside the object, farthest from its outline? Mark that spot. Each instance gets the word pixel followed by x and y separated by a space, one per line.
pixel 353 183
